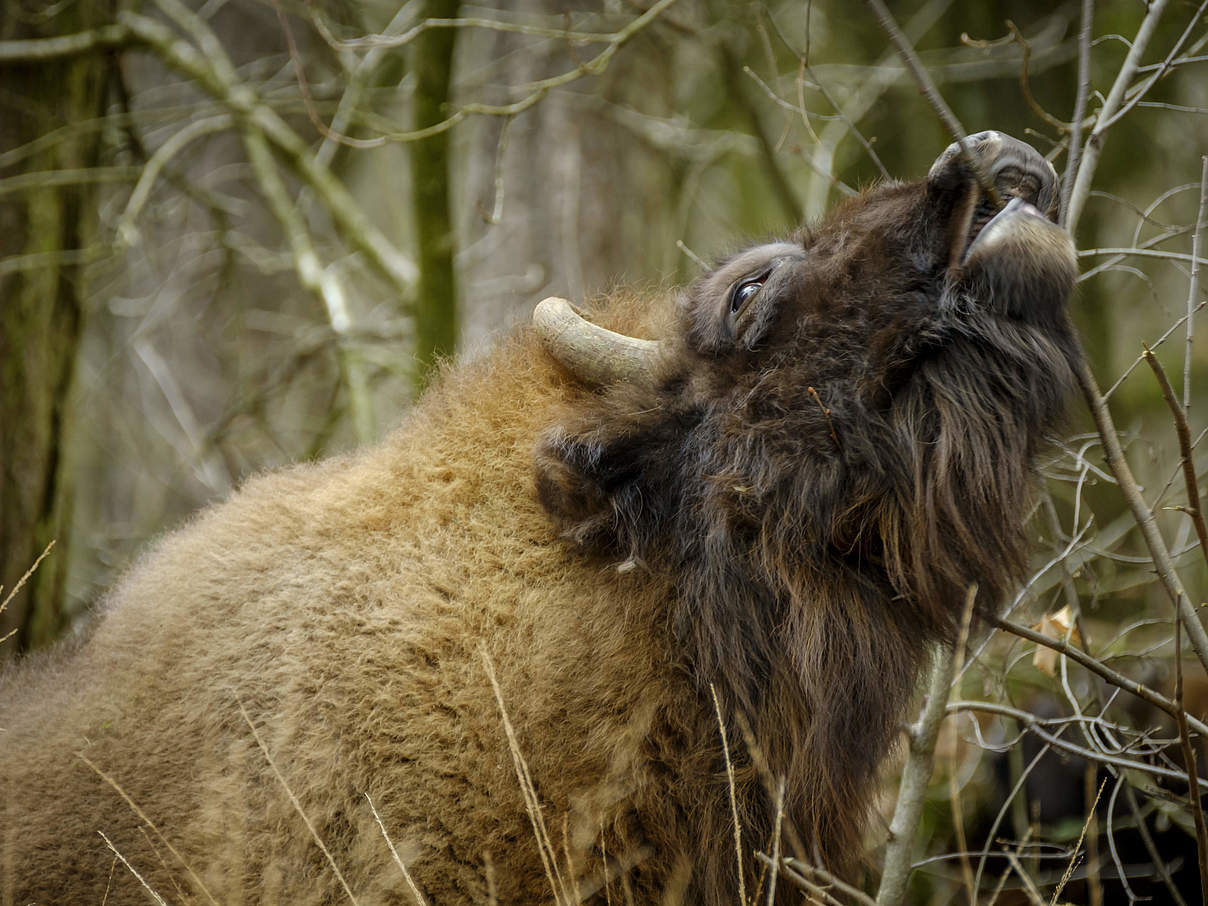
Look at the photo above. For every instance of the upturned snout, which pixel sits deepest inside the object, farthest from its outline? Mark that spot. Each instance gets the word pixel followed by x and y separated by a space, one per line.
pixel 1014 168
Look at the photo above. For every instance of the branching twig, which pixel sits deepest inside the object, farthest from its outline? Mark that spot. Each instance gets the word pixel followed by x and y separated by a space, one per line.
pixel 725 747
pixel 1035 725
pixel 217 77
pixel 1074 149
pixel 803 876
pixel 44 50
pixel 1194 509
pixel 1115 97
pixel 317 279
pixel 1163 563
pixel 1100 669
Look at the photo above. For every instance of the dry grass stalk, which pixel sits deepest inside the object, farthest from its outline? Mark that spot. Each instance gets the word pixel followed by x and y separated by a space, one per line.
pixel 776 844
pixel 297 805
pixel 143 817
pixel 158 899
pixel 419 897
pixel 545 846
pixel 1073 863
pixel 20 584
pixel 725 747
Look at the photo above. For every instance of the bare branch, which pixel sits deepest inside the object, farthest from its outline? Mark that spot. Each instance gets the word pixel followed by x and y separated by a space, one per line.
pixel 1193 289
pixel 320 281
pixel 1190 763
pixel 215 74
pixel 916 774
pixel 1036 725
pixel 1094 143
pixel 1163 563
pixel 43 50
pixel 1194 510
pixel 1074 150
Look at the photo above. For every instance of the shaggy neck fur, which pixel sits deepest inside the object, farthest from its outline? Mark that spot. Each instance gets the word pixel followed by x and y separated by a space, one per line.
pixel 823 525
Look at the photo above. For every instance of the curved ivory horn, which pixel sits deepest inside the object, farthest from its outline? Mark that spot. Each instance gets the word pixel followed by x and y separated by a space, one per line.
pixel 592 353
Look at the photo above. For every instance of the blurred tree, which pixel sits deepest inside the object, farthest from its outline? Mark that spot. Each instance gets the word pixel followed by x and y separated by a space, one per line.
pixel 47 230
pixel 435 306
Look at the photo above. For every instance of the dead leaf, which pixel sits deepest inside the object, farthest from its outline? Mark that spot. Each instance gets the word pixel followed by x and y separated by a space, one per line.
pixel 1060 627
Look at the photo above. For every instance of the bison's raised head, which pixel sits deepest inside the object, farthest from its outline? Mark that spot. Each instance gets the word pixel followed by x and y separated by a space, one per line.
pixel 846 418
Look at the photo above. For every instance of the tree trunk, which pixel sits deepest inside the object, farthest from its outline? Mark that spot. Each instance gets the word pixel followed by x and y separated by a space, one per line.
pixel 44 232
pixel 435 305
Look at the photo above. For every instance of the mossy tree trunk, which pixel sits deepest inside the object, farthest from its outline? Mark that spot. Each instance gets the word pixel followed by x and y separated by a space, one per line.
pixel 435 307
pixel 44 235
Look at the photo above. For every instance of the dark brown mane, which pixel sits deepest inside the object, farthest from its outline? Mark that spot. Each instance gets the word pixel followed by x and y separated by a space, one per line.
pixel 825 492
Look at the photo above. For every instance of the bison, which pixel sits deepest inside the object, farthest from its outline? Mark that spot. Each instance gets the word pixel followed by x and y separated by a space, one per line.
pixel 598 597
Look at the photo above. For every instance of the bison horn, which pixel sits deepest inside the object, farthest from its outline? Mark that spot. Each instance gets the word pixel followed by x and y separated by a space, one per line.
pixel 592 353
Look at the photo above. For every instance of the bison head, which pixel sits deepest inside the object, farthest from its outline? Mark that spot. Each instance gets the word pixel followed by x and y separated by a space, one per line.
pixel 836 443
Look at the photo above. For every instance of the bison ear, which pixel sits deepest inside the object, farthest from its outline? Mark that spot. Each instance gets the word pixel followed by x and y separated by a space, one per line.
pixel 604 474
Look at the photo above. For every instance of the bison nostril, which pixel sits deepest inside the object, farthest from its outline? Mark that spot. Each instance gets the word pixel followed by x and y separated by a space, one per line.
pixel 1015 182
pixel 1020 171
pixel 1015 168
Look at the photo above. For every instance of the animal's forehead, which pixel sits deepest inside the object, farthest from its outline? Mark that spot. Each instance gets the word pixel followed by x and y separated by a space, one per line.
pixel 753 260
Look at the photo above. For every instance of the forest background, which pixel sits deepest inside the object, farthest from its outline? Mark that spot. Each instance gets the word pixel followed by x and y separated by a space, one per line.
pixel 240 233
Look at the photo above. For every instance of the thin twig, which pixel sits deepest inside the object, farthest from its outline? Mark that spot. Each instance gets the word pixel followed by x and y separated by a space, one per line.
pixel 1035 725
pixel 160 159
pixel 1097 667
pixel 1193 289
pixel 316 279
pixel 725 748
pixel 1074 150
pixel 915 67
pixel 1151 848
pixel 43 50
pixel 1029 886
pixel 1194 508
pixel 1189 762
pixel 775 868
pixel 799 874
pixel 1136 92
pixel 213 72
pixel 826 413
pixel 536 90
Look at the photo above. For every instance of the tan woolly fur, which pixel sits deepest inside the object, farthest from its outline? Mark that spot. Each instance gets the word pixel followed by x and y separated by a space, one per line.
pixel 347 606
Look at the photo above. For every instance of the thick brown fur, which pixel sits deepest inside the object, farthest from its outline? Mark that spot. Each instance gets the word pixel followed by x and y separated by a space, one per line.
pixel 790 513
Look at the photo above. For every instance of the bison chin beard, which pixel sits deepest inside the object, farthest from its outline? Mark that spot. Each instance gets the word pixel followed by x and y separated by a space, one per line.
pixel 820 499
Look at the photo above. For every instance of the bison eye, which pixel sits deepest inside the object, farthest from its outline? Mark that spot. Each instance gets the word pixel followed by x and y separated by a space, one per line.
pixel 741 294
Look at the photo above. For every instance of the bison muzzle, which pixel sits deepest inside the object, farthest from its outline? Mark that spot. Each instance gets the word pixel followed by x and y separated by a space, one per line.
pixel 779 497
